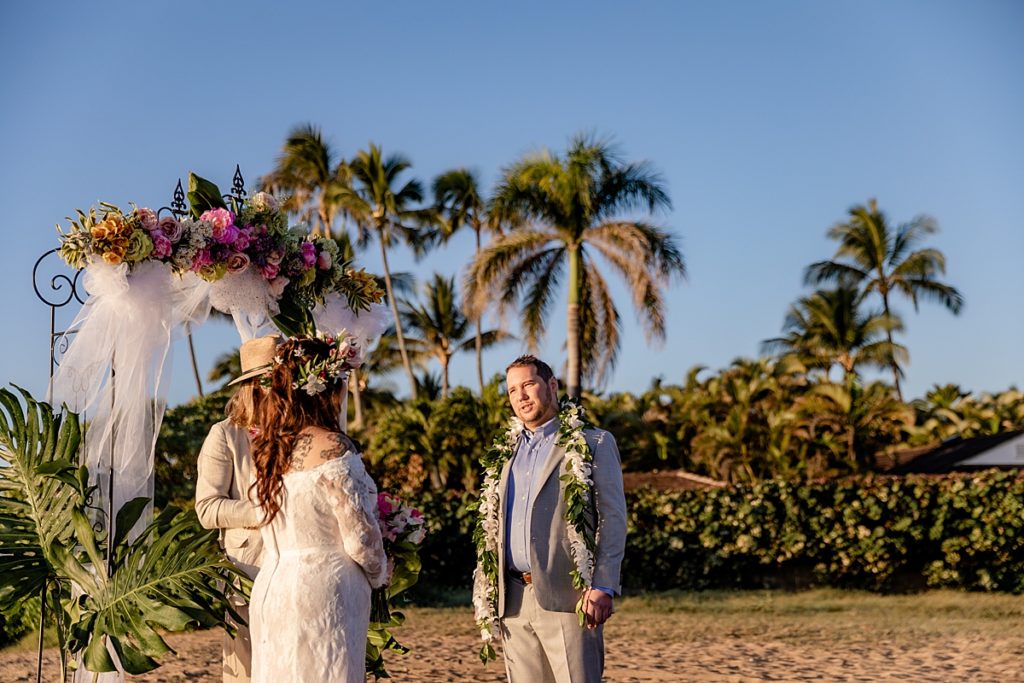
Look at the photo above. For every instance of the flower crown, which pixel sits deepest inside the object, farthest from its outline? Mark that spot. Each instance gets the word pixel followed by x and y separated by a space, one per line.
pixel 315 371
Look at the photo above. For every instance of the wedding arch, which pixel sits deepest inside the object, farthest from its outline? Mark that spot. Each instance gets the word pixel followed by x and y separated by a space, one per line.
pixel 143 278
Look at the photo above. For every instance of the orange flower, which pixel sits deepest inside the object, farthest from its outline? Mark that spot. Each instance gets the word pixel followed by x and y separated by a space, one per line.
pixel 113 258
pixel 100 231
pixel 118 225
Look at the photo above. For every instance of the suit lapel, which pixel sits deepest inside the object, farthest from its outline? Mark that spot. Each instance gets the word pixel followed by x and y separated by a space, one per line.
pixel 550 467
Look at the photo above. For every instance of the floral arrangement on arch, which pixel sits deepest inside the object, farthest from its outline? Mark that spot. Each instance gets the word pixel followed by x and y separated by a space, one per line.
pixel 215 242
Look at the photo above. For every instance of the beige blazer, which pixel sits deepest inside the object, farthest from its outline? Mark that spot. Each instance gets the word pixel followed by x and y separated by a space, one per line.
pixel 225 473
pixel 550 558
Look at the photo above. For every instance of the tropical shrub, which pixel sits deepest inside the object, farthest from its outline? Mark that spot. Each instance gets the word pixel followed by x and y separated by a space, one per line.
pixel 170 576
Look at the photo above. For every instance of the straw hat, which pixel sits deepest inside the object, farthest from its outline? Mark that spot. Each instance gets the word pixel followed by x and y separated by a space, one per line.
pixel 257 356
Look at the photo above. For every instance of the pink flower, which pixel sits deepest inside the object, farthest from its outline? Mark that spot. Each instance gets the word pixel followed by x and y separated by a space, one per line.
pixel 243 240
pixel 276 286
pixel 308 254
pixel 237 262
pixel 147 217
pixel 384 505
pixel 202 259
pixel 228 235
pixel 171 229
pixel 162 246
pixel 324 260
pixel 270 271
pixel 353 357
pixel 221 218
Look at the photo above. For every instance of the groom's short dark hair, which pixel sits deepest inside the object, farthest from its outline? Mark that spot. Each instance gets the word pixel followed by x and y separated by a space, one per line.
pixel 528 360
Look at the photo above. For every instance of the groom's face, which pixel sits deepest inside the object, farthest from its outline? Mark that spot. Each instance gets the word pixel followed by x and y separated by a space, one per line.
pixel 533 400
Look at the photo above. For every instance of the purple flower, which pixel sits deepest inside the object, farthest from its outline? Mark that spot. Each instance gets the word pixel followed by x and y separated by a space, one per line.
pixel 309 254
pixel 171 229
pixel 201 259
pixel 270 271
pixel 243 240
pixel 161 245
pixel 229 235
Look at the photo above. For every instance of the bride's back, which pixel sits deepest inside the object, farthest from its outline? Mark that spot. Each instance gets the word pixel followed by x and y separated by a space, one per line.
pixel 325 467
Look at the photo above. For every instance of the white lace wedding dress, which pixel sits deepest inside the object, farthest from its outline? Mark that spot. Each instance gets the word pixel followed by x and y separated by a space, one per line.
pixel 310 605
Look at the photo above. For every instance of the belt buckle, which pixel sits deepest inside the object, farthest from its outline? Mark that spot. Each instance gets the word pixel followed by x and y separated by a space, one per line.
pixel 522 577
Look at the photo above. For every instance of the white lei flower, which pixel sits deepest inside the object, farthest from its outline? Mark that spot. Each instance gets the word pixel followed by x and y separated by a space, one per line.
pixel 577 466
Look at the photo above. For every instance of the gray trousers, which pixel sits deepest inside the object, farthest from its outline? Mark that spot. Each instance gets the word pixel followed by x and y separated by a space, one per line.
pixel 547 647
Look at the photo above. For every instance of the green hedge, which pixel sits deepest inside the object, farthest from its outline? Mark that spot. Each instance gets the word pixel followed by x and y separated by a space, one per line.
pixel 882 534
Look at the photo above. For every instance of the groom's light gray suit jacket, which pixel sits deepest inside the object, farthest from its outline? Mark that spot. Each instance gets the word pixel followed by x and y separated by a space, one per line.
pixel 550 558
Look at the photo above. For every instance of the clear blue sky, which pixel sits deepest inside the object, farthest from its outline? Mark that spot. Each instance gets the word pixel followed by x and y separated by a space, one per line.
pixel 768 121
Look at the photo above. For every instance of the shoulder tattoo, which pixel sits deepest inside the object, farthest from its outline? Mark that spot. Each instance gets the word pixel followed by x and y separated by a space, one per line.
pixel 303 447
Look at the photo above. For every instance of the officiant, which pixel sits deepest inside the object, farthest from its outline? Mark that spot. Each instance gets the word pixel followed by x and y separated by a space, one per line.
pixel 225 473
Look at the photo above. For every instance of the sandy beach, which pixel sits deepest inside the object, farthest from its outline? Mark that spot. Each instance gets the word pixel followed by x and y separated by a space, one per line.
pixel 816 636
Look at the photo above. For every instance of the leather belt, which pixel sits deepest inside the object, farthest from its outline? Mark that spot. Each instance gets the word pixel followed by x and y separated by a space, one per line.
pixel 521 577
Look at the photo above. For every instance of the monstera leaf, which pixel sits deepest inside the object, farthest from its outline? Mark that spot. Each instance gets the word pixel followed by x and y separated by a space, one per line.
pixel 38 489
pixel 172 576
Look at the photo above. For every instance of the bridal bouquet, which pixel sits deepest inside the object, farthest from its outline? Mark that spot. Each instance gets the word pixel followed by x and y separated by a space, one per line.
pixel 403 529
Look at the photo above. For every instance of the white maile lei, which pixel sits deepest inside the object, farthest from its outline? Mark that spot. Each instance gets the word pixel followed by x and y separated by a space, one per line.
pixel 578 486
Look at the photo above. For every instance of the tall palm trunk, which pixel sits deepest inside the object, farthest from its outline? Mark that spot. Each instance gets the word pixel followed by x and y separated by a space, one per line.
pixel 479 314
pixel 444 375
pixel 195 365
pixel 888 335
pixel 394 312
pixel 572 334
pixel 357 400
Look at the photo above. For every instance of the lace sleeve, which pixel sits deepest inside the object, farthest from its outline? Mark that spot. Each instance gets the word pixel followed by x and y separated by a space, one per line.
pixel 353 497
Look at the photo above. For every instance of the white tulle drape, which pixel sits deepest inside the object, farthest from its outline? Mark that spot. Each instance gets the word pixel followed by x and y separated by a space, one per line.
pixel 247 297
pixel 335 315
pixel 115 374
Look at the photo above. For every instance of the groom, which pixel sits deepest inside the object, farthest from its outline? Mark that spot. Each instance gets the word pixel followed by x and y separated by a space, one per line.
pixel 542 640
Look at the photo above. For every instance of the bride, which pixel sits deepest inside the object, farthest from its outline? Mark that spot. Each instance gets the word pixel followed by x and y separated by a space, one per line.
pixel 323 553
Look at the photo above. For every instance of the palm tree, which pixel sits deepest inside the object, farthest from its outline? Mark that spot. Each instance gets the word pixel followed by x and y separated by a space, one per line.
pixel 566 206
pixel 383 208
pixel 830 328
pixel 884 260
pixel 226 367
pixel 442 327
pixel 459 204
pixel 853 421
pixel 310 171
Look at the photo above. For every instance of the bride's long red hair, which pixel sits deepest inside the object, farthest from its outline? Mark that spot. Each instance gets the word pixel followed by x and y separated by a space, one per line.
pixel 281 411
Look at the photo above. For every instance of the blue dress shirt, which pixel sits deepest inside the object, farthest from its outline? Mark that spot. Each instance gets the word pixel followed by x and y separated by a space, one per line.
pixel 523 478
